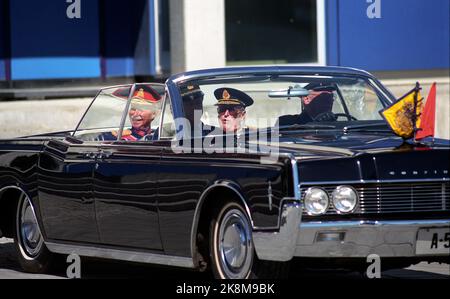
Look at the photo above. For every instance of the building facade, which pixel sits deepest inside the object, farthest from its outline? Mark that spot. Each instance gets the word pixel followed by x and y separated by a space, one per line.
pixel 105 39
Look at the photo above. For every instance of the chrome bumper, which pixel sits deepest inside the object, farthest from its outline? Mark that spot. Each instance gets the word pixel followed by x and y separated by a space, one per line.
pixel 280 245
pixel 361 238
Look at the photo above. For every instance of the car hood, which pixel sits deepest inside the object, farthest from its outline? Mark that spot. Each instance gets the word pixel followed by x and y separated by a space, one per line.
pixel 339 143
pixel 366 157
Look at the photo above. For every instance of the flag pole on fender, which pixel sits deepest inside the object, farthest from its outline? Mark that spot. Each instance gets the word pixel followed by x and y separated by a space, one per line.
pixel 416 116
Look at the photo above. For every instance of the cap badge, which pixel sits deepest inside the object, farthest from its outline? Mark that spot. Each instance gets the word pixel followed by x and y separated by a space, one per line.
pixel 140 93
pixel 225 95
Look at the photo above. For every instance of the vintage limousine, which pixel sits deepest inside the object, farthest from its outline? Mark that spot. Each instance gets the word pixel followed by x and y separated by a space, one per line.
pixel 236 171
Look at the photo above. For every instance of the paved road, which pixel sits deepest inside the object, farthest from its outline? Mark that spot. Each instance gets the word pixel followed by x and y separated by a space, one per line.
pixel 10 269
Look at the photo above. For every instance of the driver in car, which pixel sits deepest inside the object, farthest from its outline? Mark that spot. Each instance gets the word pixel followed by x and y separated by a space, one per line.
pixel 317 105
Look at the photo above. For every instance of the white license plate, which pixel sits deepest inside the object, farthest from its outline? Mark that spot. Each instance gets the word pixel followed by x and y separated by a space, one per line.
pixel 432 241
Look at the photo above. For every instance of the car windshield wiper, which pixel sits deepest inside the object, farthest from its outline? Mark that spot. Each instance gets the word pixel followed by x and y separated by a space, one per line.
pixel 377 127
pixel 306 127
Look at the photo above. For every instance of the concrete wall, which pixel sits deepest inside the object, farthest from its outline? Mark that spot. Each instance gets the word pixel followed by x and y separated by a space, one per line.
pixel 21 118
pixel 197 34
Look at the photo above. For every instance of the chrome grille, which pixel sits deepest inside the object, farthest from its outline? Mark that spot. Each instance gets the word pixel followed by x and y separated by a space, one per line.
pixel 397 197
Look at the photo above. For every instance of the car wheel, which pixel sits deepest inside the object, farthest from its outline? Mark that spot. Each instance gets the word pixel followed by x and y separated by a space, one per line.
pixel 231 247
pixel 33 256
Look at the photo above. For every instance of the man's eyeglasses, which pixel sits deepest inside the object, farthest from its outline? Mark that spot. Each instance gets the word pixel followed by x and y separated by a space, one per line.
pixel 232 110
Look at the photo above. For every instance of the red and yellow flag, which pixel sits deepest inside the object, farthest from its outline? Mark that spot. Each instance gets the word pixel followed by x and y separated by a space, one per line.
pixel 403 116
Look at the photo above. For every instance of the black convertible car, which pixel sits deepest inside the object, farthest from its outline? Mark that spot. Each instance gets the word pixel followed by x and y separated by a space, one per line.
pixel 235 170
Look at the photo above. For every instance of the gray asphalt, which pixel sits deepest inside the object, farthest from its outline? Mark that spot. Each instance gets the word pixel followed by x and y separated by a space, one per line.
pixel 90 268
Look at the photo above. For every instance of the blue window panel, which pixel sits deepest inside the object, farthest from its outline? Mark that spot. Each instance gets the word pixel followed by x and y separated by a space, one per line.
pixel 3 41
pixel 48 68
pixel 2 71
pixel 46 44
pixel 411 34
pixel 119 67
pixel 332 31
pixel 152 33
pixel 128 38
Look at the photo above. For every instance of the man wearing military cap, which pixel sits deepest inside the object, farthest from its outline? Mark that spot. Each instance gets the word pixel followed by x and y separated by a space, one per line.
pixel 231 104
pixel 144 107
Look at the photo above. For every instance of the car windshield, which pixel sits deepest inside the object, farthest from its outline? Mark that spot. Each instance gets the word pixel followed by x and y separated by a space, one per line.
pixel 286 102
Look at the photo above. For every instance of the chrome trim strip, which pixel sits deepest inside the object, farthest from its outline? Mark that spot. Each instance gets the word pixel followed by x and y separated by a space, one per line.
pixel 296 179
pixel 443 197
pixel 19 150
pixel 125 112
pixel 122 255
pixel 264 70
pixel 163 111
pixel 84 114
pixel 375 181
pixel 315 148
pixel 12 187
pixel 117 86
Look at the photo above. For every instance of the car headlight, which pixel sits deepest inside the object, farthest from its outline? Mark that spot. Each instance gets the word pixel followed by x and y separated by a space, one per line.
pixel 344 199
pixel 316 201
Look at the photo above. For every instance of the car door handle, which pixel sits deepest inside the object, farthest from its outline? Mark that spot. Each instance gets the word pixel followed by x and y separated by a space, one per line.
pixel 104 155
pixel 99 155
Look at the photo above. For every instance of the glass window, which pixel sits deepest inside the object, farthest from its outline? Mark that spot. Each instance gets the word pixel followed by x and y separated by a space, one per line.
pixel 168 123
pixel 361 100
pixel 286 101
pixel 104 115
pixel 267 31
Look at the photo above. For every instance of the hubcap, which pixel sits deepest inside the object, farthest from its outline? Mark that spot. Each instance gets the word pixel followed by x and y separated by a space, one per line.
pixel 235 246
pixel 30 234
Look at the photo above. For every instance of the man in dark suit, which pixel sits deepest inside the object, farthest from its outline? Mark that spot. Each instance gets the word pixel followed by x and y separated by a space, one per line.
pixel 192 99
pixel 318 103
